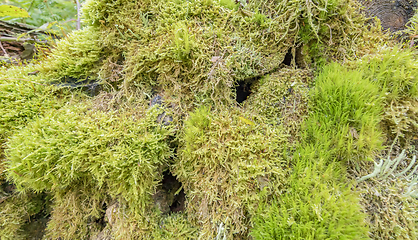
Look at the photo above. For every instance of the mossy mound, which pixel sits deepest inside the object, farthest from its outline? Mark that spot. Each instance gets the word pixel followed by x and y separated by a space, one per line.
pixel 24 97
pixel 345 114
pixel 229 161
pixel 73 144
pixel 395 71
pixel 77 56
pixel 282 98
pixel 319 202
pixel 191 49
pixel 166 150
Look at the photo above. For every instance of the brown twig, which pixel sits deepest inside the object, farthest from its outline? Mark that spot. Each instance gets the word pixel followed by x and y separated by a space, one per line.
pixel 4 50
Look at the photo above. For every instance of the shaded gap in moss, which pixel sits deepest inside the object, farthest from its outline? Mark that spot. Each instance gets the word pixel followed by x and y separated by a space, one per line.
pixel 171 186
pixel 288 58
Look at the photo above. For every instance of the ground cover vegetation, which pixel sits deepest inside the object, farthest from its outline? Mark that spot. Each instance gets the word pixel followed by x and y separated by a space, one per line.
pixel 213 119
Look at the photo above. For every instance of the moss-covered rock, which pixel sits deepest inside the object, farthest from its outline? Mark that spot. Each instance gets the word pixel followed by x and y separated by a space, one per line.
pixel 23 97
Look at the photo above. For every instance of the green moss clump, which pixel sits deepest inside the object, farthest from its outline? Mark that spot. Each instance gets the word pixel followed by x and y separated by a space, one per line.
pixel 123 152
pixel 23 97
pixel 317 205
pixel 228 162
pixel 345 110
pixel 395 71
pixel 191 50
pixel 16 211
pixel 77 212
pixel 282 97
pixel 342 127
pixel 77 56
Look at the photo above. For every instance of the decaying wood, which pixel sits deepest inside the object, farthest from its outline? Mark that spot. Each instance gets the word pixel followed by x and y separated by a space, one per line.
pixel 18 40
pixel 393 14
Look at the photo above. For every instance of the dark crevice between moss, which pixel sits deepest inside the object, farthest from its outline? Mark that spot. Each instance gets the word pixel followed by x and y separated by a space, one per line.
pixel 101 221
pixel 6 187
pixel 288 58
pixel 170 197
pixel 243 90
pixel 244 87
pixel 90 87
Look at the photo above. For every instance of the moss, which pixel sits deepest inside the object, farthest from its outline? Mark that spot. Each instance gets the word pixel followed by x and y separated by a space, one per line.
pixel 282 97
pixel 196 50
pixel 123 152
pixel 345 114
pixel 176 226
pixel 77 56
pixel 342 127
pixel 124 224
pixel 77 212
pixel 317 205
pixel 395 71
pixel 23 97
pixel 17 210
pixel 228 161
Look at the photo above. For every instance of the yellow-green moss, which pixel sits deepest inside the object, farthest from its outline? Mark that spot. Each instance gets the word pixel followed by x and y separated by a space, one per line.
pixel 23 97
pixel 77 56
pixel 345 112
pixel 77 212
pixel 395 71
pixel 124 152
pixel 282 97
pixel 228 161
pixel 317 204
pixel 16 210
